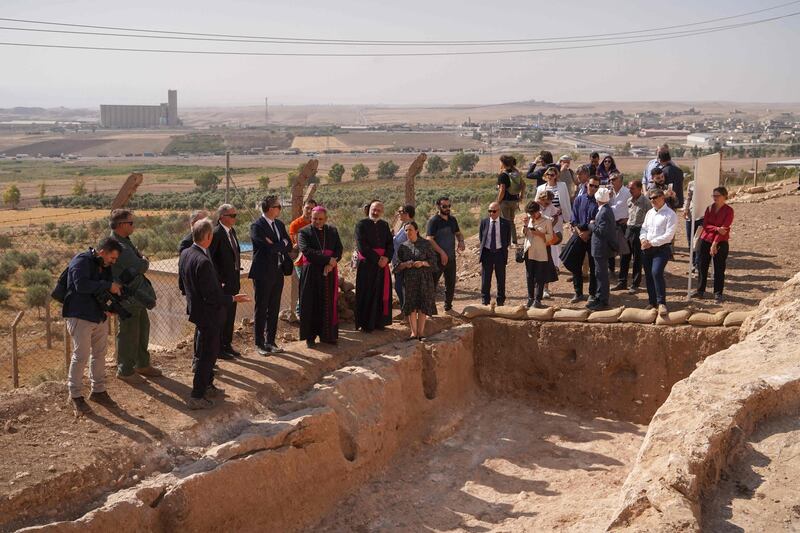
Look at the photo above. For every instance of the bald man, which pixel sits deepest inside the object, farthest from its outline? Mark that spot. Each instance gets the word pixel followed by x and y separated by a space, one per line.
pixel 495 236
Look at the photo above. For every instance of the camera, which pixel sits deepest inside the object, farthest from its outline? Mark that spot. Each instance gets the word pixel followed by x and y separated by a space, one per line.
pixel 112 304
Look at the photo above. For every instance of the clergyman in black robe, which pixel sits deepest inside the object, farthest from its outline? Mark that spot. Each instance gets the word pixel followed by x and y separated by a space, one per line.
pixel 373 280
pixel 319 281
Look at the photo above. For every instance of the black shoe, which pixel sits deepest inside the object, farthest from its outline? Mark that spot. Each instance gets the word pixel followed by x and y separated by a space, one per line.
pixel 719 298
pixel 225 356
pixel 499 302
pixel 485 302
pixel 538 305
pixel 311 343
pixel 621 286
pixel 263 349
pixel 597 306
pixel 231 350
pixel 697 295
pixel 421 338
pixel 103 399
pixel 577 298
pixel 450 307
pixel 529 303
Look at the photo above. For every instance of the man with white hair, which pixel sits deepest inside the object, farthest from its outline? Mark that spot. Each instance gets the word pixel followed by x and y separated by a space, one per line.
pixel 604 245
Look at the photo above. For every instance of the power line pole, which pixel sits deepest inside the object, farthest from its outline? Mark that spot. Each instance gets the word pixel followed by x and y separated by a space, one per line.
pixel 266 111
pixel 227 176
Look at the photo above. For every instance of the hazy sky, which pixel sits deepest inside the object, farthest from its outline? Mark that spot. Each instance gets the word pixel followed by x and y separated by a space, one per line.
pixel 757 63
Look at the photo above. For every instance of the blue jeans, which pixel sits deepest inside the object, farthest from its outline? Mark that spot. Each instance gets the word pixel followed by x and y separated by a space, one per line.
pixel 399 288
pixel 297 270
pixel 655 261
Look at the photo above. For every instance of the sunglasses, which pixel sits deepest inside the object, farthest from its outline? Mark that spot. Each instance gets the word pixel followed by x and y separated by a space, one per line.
pixel 651 198
pixel 492 210
pixel 550 175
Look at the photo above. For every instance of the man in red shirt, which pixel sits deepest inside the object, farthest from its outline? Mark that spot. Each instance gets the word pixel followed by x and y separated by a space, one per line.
pixel 294 228
pixel 714 238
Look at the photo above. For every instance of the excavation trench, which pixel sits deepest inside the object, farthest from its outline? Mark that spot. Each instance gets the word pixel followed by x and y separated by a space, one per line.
pixel 497 424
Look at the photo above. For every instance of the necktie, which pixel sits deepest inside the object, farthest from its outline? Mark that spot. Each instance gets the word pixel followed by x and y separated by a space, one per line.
pixel 493 238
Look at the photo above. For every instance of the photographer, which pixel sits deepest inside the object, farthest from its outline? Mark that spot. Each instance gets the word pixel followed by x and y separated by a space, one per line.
pixel 133 335
pixel 88 275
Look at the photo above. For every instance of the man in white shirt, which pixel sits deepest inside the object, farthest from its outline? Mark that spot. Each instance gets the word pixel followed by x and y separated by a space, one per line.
pixel 495 237
pixel 658 230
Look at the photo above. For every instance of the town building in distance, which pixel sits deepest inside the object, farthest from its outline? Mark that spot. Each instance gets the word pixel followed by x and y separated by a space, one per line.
pixel 142 116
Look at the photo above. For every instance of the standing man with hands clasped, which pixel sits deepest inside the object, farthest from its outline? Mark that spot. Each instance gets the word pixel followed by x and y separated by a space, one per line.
pixel 271 246
pixel 443 232
pixel 133 334
pixel 206 304
pixel 495 237
pixel 225 252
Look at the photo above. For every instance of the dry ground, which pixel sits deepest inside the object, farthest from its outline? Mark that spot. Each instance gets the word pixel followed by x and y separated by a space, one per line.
pixel 510 466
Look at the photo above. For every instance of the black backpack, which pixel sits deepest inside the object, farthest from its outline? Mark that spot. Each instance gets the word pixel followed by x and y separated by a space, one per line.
pixel 60 291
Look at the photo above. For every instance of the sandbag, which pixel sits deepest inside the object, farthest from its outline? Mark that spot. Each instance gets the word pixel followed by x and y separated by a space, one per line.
pixel 571 315
pixel 516 312
pixel 638 316
pixel 541 314
pixel 708 319
pixel 608 316
pixel 474 311
pixel 735 318
pixel 675 318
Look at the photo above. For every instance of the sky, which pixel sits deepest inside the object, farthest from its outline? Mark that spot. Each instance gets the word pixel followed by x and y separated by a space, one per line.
pixel 751 64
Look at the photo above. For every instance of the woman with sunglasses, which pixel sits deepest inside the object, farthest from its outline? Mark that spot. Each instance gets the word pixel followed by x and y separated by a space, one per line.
pixel 606 168
pixel 714 238
pixel 538 231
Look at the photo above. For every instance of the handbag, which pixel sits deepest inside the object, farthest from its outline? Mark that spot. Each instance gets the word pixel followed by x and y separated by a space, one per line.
pixel 520 255
pixel 557 239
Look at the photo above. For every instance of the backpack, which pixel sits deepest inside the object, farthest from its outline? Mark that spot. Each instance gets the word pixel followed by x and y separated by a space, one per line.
pixel 60 291
pixel 515 179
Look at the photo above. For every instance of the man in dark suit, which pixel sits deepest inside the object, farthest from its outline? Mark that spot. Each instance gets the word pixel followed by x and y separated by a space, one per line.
pixel 495 237
pixel 603 247
pixel 271 244
pixel 226 255
pixel 187 241
pixel 205 304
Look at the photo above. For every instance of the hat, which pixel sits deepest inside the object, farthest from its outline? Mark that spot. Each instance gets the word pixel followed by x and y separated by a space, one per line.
pixel 565 157
pixel 602 195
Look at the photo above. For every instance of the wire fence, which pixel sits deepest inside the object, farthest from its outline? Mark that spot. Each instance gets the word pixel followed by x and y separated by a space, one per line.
pixel 33 342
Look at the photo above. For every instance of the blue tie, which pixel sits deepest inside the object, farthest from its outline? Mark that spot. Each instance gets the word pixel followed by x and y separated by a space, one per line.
pixel 493 238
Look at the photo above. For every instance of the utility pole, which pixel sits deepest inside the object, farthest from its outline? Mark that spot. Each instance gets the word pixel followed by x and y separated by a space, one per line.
pixel 266 111
pixel 755 174
pixel 227 176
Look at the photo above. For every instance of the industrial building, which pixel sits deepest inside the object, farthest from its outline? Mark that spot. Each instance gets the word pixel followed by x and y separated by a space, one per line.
pixel 142 116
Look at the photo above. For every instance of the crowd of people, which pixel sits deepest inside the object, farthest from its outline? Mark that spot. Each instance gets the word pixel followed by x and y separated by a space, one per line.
pixel 580 220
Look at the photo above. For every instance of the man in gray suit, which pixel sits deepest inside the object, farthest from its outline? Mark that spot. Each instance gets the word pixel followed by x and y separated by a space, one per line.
pixel 604 245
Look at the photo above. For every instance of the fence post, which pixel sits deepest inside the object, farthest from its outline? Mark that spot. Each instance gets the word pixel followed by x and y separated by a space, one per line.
pixel 14 354
pixel 67 350
pixel 47 327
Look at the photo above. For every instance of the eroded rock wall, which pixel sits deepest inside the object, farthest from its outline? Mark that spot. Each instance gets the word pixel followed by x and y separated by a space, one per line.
pixel 282 475
pixel 697 432
pixel 615 370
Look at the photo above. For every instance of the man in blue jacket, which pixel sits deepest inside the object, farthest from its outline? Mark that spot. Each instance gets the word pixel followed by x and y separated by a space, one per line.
pixel 603 247
pixel 271 245
pixel 88 274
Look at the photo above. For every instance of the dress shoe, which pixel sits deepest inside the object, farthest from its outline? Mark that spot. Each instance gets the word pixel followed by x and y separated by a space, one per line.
pixel 697 295
pixel 310 343
pixel 621 286
pixel 233 351
pixel 199 403
pixel 577 298
pixel 529 303
pixel 718 298
pixel 263 349
pixel 226 356
pixel 149 371
pixel 274 348
pixel 499 302
pixel 538 305
pixel 103 399
pixel 597 305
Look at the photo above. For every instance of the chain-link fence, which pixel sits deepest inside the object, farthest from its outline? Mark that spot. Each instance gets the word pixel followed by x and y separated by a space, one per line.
pixel 33 347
